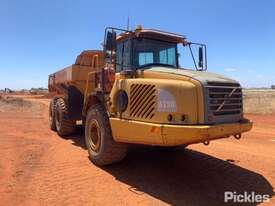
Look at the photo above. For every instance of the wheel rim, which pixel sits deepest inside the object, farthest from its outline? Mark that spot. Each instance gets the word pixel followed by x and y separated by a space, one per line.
pixel 94 136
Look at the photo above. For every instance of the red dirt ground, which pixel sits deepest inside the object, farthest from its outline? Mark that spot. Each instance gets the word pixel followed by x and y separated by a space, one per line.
pixel 39 168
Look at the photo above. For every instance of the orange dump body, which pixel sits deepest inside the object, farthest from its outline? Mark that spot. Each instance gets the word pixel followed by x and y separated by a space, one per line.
pixel 76 75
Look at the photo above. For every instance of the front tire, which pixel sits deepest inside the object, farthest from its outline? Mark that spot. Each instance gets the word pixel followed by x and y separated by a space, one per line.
pixel 64 126
pixel 102 149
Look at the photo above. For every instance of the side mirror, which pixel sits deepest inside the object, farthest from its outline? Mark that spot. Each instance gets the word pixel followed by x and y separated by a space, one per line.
pixel 200 58
pixel 110 43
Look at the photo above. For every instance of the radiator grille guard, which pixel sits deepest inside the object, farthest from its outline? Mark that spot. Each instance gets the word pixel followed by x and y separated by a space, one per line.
pixel 223 102
pixel 142 101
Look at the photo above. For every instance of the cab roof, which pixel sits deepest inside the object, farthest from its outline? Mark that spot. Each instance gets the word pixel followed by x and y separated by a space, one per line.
pixel 152 34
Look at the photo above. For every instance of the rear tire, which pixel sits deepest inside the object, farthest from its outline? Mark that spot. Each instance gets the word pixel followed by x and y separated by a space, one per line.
pixel 102 149
pixel 52 108
pixel 64 126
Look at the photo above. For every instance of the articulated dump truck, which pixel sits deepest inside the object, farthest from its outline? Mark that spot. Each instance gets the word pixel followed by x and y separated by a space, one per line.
pixel 135 92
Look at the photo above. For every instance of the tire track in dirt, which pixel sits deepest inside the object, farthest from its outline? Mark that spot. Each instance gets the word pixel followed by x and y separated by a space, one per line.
pixel 69 182
pixel 66 178
pixel 23 161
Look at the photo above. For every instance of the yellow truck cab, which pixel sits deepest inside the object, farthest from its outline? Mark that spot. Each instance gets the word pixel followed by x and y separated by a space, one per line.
pixel 134 91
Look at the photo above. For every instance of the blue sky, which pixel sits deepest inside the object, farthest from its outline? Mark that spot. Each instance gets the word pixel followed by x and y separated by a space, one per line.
pixel 39 37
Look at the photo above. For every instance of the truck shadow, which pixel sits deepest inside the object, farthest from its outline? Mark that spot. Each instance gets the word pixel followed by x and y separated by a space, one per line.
pixel 184 177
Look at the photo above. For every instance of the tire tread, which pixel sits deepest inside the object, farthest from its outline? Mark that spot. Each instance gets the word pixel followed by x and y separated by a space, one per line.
pixel 113 151
pixel 67 126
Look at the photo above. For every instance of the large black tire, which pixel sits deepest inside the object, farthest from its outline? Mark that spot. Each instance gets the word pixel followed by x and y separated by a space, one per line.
pixel 52 109
pixel 64 126
pixel 102 148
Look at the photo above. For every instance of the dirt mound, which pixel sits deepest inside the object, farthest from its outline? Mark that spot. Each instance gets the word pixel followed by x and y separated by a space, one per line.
pixel 8 103
pixel 47 96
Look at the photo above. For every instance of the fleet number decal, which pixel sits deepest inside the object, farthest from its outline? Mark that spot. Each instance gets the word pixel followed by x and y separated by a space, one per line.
pixel 165 101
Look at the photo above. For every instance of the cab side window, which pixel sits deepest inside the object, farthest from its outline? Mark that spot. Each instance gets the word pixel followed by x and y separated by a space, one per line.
pixel 119 56
pixel 123 55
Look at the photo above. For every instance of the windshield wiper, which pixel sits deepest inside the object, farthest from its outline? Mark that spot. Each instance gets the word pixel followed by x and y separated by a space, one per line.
pixel 155 64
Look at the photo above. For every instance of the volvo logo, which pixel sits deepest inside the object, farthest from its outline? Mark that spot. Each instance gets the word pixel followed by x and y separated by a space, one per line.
pixel 226 97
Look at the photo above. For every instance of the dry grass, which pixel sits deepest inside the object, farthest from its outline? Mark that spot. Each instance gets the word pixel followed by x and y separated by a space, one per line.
pixel 17 104
pixel 259 101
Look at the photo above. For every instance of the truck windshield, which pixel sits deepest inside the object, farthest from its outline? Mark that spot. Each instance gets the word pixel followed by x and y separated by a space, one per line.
pixel 150 52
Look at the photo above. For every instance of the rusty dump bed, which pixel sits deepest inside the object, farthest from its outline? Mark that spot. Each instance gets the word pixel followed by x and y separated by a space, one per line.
pixel 76 74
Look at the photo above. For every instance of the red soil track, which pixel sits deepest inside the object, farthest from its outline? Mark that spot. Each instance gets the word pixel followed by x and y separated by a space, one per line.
pixel 39 168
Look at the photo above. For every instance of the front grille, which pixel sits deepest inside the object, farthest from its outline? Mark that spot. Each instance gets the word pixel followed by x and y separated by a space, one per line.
pixel 224 102
pixel 142 101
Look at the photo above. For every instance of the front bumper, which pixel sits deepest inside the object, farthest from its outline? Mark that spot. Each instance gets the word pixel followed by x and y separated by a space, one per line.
pixel 171 135
pixel 196 134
